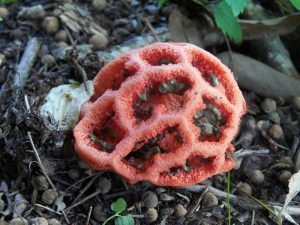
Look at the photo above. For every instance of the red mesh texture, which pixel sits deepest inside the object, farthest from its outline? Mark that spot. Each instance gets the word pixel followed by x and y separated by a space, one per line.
pixel 165 113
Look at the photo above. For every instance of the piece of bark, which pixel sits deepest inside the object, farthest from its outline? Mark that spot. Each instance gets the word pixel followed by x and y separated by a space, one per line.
pixel 270 50
pixel 256 76
pixel 26 63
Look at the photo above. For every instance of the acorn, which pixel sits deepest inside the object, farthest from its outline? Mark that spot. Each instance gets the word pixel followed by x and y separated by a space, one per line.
pixel 4 12
pixel 104 185
pixel 53 221
pixel 180 210
pixel 268 105
pixel 99 41
pixel 49 196
pixel 99 5
pixel 40 221
pixel 244 188
pixel 2 205
pixel 61 36
pixel 48 60
pixel 151 215
pixel 51 24
pixel 296 103
pixel 257 177
pixel 98 213
pixel 276 132
pixel 18 221
pixel 286 160
pixel 285 177
pixel 209 200
pixel 149 199
pixel 40 183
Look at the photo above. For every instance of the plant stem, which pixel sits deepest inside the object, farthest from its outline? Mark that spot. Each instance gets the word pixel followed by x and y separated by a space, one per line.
pixel 110 218
pixel 228 197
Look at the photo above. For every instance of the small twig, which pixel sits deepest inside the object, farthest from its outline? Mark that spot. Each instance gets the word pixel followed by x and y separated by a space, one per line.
pixel 83 75
pixel 40 161
pixel 83 179
pixel 89 216
pixel 253 218
pixel 47 208
pixel 84 189
pixel 248 152
pixel 27 103
pixel 149 25
pixel 195 207
pixel 97 192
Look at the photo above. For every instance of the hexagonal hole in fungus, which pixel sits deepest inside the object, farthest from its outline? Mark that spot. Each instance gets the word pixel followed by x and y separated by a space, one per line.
pixel 105 136
pixel 194 162
pixel 124 74
pixel 160 56
pixel 210 122
pixel 141 156
pixel 170 94
pixel 212 73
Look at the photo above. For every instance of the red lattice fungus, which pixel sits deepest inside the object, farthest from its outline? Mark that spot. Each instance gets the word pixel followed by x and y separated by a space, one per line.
pixel 165 113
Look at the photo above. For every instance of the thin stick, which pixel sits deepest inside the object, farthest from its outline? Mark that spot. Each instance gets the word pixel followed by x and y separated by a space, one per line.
pixel 149 25
pixel 27 103
pixel 89 216
pixel 83 179
pixel 40 161
pixel 97 192
pixel 47 208
pixel 228 198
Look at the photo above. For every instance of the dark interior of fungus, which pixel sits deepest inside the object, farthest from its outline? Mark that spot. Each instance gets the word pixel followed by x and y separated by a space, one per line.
pixel 209 121
pixel 160 144
pixel 104 136
pixel 153 95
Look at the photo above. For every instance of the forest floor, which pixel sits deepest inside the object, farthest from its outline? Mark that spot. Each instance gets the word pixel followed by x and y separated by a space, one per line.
pixel 43 181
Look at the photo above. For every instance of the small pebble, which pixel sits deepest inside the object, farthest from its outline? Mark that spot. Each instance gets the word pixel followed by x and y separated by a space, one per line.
pixel 2 205
pixel 151 215
pixel 296 103
pixel 263 125
pixel 40 183
pixel 268 105
pixel 4 12
pixel 244 188
pixel 98 213
pixel 99 5
pixel 40 221
pixel 149 199
pixel 209 200
pixel 285 177
pixel 287 160
pixel 53 221
pixel 32 12
pixel 49 196
pixel 18 221
pixel 56 12
pixel 180 210
pixel 61 36
pixel 276 132
pixel 257 177
pixel 48 60
pixel 51 24
pixel 104 185
pixel 99 41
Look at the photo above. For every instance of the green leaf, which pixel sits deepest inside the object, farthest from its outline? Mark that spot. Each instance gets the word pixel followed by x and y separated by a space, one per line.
pixel 227 22
pixel 1 19
pixel 119 205
pixel 237 6
pixel 296 4
pixel 124 220
pixel 7 1
pixel 161 3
